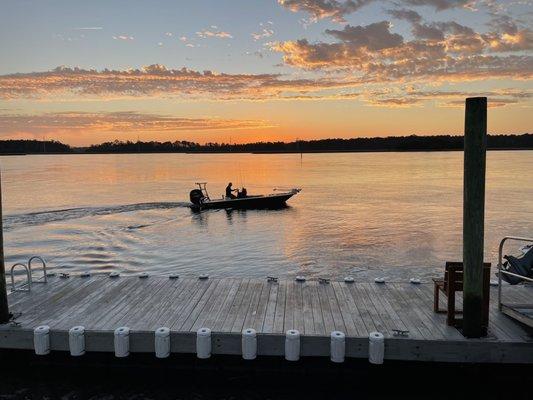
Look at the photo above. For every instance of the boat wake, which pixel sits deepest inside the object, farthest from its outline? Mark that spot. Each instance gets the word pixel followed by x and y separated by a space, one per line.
pixel 43 217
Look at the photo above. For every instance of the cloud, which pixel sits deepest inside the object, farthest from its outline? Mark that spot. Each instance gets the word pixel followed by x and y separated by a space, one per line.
pixel 506 34
pixel 123 37
pixel 439 4
pixel 433 30
pixel 393 102
pixel 320 9
pixel 89 28
pixel 410 96
pixel 336 10
pixel 440 50
pixel 65 83
pixel 115 122
pixel 375 36
pixel 510 42
pixel 206 33
pixel 265 33
pixel 407 15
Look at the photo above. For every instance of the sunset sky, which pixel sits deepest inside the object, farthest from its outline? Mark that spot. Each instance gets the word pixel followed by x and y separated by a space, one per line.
pixel 84 72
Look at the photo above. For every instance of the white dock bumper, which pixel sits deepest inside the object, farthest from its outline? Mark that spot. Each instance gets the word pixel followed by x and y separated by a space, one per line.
pixel 203 343
pixel 122 341
pixel 249 344
pixel 162 342
pixel 292 345
pixel 376 348
pixel 338 346
pixel 41 340
pixel 76 341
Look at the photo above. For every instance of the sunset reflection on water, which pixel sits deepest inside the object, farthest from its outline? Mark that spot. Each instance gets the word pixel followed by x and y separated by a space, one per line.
pixel 358 213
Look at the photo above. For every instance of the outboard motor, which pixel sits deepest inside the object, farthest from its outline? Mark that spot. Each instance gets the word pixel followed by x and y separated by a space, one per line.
pixel 196 197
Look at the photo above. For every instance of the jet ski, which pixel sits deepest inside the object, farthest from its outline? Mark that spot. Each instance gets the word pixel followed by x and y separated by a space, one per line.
pixel 200 199
pixel 519 266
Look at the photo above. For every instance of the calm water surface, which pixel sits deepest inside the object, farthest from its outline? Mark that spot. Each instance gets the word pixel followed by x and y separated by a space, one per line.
pixel 364 214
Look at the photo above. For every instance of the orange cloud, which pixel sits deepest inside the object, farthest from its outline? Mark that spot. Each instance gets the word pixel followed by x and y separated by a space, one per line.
pixel 410 96
pixel 116 122
pixel 157 81
pixel 320 9
pixel 336 10
pixel 450 51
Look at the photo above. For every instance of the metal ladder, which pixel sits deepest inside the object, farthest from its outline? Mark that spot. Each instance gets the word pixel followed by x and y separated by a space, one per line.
pixel 26 287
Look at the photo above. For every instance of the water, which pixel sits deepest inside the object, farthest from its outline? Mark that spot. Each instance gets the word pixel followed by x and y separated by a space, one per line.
pixel 363 214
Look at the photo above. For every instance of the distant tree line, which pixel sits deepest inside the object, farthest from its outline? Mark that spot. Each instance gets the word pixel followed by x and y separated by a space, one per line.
pixel 391 143
pixel 179 146
pixel 33 147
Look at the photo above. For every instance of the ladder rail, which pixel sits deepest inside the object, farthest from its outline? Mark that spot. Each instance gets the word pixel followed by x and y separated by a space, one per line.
pixel 45 275
pixel 28 278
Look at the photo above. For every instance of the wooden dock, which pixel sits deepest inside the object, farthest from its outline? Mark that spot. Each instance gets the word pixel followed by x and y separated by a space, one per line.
pixel 227 306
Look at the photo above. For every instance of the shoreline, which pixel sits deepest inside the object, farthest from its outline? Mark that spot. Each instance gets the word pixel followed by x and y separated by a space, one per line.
pixel 266 152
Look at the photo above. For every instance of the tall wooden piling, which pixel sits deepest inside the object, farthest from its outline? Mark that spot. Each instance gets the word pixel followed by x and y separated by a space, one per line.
pixel 4 310
pixel 475 145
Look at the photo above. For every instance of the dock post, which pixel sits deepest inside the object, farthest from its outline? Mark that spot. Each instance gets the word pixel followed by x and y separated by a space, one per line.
pixel 475 145
pixel 4 309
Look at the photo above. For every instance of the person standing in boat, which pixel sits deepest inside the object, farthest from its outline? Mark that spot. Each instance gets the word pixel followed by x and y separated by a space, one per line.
pixel 229 191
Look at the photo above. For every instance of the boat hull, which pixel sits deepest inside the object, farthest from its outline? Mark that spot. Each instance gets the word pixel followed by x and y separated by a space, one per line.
pixel 251 202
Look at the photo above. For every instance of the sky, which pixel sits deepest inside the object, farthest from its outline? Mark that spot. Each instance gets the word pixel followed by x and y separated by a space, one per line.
pixel 84 72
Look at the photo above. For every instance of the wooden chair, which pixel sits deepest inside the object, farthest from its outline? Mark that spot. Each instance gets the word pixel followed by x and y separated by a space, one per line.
pixel 452 283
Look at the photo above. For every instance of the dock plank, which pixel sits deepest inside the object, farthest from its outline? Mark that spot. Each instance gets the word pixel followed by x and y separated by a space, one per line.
pixel 171 298
pixel 307 312
pixel 214 322
pixel 281 307
pixel 238 322
pixel 181 302
pixel 208 315
pixel 327 315
pixel 226 306
pixel 270 312
pixel 373 318
pixel 254 305
pixel 226 322
pixel 188 323
pixel 259 320
pixel 58 304
pixel 347 309
pixel 318 318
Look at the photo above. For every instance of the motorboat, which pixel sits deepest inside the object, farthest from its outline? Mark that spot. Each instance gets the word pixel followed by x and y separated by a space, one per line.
pixel 200 199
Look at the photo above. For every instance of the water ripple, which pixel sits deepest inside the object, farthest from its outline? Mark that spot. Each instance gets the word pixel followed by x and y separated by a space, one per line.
pixel 44 217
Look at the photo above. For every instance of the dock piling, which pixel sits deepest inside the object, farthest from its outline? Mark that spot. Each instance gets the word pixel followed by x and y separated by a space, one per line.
pixel 475 144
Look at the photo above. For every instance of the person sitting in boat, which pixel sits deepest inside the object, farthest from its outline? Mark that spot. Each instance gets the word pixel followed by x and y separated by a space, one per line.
pixel 229 191
pixel 242 194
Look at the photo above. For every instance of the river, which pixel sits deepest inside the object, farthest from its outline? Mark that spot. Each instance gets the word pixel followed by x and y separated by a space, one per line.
pixel 361 214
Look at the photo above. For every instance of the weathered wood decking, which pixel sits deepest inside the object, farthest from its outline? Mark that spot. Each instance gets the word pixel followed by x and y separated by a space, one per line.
pixel 227 306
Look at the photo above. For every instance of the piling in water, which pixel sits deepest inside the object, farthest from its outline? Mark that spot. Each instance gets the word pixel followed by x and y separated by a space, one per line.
pixel 474 215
